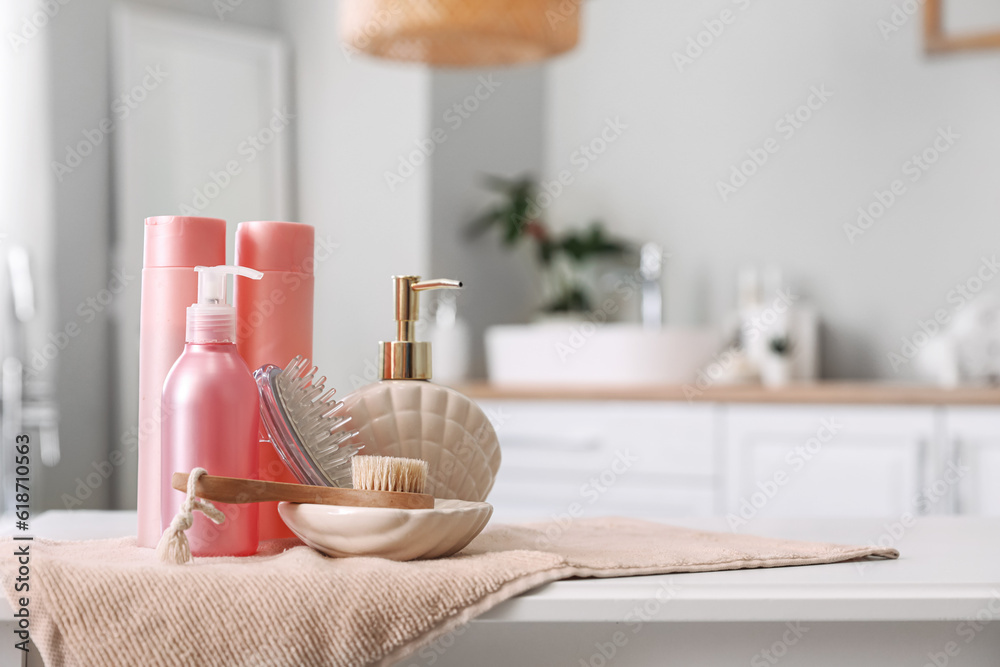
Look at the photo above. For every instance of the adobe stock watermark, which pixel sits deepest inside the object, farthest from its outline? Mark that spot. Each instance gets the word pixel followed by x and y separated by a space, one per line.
pixel 769 316
pixel 248 149
pixel 291 282
pixel 590 492
pixel 128 445
pixel 121 108
pixel 371 29
pixel 773 654
pixel 101 471
pixel 370 373
pixel 625 288
pixel 454 117
pixel 786 126
pixel 723 362
pixel 224 7
pixel 581 159
pixel 434 651
pixel 901 14
pixel 936 491
pixel 606 651
pixel 913 170
pixel 967 631
pixel 926 499
pixel 35 22
pixel 958 297
pixel 94 478
pixel 87 311
pixel 712 29
pixel 496 416
pixel 795 460
pixel 472 443
pixel 564 11
pixel 716 369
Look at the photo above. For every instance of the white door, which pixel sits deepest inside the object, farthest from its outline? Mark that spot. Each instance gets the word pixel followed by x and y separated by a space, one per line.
pixel 973 438
pixel 824 460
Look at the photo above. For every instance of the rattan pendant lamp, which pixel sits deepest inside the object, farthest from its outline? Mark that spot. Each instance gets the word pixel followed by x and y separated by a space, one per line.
pixel 461 33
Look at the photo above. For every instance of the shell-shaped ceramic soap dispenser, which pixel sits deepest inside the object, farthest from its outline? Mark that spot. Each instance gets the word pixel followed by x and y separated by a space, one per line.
pixel 405 415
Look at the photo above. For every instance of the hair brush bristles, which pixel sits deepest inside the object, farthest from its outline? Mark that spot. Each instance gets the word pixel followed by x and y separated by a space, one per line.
pixel 312 414
pixel 389 473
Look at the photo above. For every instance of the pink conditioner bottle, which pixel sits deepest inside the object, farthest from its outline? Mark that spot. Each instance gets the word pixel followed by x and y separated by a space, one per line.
pixel 211 415
pixel 172 247
pixel 274 322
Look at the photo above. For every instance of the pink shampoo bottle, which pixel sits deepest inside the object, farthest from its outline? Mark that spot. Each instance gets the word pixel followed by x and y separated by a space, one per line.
pixel 274 322
pixel 211 416
pixel 172 247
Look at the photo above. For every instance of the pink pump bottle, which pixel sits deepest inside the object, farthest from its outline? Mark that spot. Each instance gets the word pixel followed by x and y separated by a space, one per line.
pixel 274 322
pixel 211 416
pixel 172 247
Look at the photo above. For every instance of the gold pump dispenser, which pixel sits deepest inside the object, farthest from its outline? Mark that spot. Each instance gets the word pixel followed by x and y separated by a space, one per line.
pixel 406 358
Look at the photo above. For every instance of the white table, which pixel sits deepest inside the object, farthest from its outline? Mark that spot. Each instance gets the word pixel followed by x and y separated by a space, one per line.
pixel 914 611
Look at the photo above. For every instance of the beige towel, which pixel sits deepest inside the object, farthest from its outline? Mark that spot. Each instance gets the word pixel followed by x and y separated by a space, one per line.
pixel 108 602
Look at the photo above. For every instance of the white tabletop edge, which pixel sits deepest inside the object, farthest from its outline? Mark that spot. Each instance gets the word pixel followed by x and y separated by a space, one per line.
pixel 949 571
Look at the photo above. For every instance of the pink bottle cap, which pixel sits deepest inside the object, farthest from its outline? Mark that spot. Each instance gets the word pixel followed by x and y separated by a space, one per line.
pixel 183 241
pixel 275 246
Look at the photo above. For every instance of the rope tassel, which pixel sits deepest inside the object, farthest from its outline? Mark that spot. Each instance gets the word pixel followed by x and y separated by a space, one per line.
pixel 173 548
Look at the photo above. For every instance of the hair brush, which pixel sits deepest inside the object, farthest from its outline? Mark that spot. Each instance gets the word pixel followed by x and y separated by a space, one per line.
pixel 302 418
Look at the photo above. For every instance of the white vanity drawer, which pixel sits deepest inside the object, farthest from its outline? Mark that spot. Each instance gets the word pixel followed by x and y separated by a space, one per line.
pixel 661 438
pixel 636 495
pixel 599 458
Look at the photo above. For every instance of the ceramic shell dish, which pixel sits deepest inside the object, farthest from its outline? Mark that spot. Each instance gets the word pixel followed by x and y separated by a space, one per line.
pixel 387 533
pixel 421 420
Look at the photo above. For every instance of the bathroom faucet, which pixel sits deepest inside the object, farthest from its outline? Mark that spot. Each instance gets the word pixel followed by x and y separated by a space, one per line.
pixel 651 270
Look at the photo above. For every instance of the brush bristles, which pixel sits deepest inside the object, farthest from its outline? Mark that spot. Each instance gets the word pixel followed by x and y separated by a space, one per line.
pixel 389 473
pixel 312 414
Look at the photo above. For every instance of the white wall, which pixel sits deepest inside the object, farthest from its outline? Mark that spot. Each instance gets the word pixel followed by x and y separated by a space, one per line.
pixel 356 117
pixel 497 129
pixel 685 130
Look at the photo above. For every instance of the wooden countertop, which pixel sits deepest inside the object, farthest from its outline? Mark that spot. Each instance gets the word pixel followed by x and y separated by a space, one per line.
pixel 860 393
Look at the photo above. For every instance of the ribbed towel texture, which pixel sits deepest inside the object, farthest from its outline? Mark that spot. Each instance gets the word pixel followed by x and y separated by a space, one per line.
pixel 108 602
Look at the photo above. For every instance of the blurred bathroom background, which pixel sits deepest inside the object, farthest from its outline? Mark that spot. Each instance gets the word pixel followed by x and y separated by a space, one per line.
pixel 811 149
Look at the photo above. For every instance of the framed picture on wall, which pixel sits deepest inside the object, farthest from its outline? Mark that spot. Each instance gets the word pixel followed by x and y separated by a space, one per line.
pixel 939 39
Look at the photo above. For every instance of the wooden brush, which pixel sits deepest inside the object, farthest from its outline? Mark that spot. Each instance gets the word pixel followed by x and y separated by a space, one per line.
pixel 383 482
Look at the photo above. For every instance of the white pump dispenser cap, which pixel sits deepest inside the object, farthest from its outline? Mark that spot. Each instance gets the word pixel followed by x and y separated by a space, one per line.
pixel 212 319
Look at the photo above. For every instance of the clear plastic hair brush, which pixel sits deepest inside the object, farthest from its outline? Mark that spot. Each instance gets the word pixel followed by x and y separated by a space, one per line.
pixel 302 419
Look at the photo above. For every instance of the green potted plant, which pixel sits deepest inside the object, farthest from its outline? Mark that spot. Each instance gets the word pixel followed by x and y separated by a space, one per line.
pixel 563 258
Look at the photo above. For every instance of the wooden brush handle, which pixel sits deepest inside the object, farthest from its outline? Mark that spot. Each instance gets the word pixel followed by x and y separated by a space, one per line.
pixel 238 491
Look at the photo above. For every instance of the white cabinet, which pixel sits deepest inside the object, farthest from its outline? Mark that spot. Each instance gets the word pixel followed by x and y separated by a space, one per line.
pixel 973 443
pixel 590 458
pixel 806 460
pixel 659 459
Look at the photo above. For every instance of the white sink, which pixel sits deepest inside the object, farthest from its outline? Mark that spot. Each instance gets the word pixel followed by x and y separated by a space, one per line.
pixel 601 354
